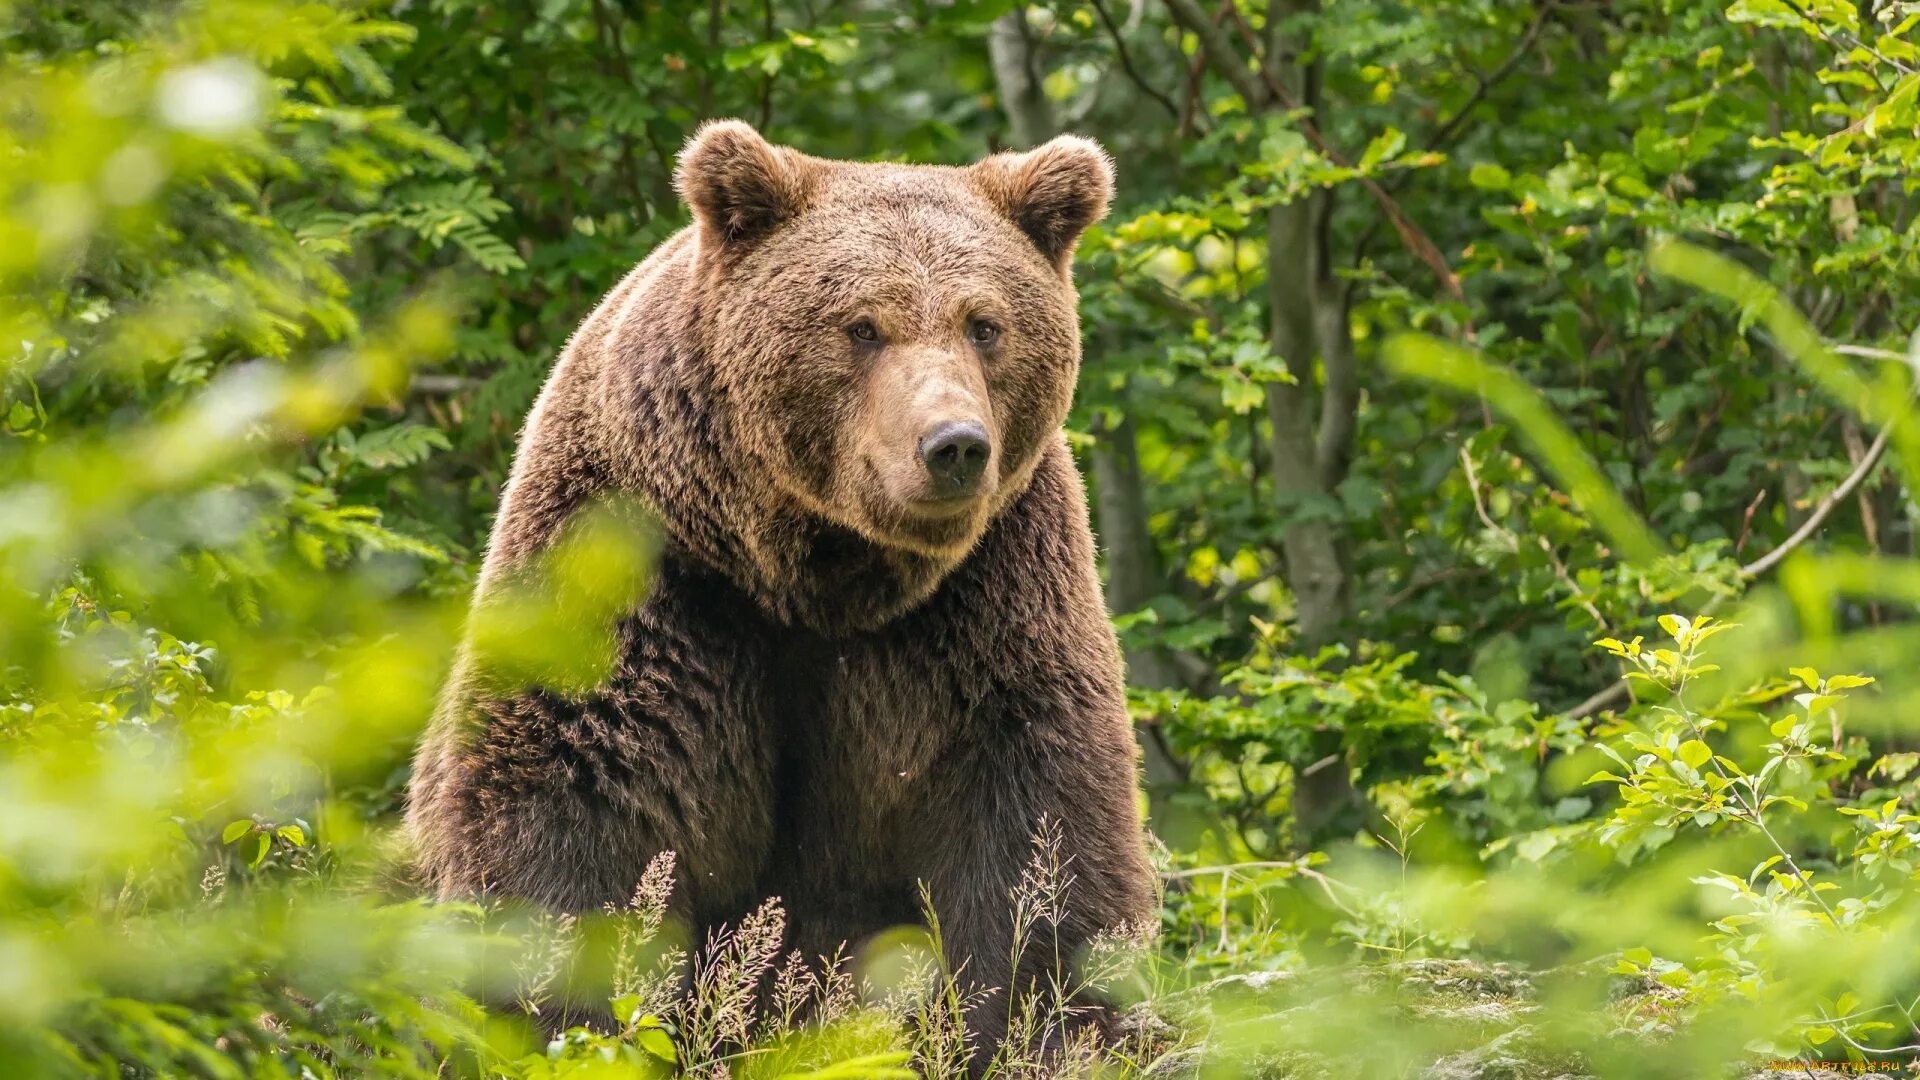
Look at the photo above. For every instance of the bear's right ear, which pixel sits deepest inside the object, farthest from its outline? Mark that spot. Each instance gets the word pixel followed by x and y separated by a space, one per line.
pixel 740 186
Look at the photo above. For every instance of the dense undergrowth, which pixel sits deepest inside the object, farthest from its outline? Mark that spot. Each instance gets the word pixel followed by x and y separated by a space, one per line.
pixel 1600 759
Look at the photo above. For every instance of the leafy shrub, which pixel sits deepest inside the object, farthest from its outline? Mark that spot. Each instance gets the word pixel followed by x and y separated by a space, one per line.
pixel 282 279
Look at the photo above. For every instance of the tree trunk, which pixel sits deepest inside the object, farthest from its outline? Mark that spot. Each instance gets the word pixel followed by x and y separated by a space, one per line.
pixel 1133 571
pixel 1133 577
pixel 1309 547
pixel 1016 73
pixel 1307 320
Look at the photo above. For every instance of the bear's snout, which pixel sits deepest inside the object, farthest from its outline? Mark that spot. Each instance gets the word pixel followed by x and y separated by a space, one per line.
pixel 955 454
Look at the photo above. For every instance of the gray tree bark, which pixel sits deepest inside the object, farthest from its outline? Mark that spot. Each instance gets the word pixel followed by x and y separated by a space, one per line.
pixel 1133 562
pixel 1308 322
pixel 1017 75
pixel 1134 576
pixel 1308 329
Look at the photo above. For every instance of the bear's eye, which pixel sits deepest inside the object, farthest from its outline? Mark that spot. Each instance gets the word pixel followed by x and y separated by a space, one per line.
pixel 982 332
pixel 864 331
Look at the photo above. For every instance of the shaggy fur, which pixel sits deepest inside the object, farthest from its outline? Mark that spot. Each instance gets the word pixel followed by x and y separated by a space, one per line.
pixel 832 692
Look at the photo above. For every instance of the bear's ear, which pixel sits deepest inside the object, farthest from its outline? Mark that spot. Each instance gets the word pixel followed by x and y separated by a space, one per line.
pixel 740 186
pixel 1052 192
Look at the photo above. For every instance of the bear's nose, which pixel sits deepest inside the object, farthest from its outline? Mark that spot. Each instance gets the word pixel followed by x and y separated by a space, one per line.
pixel 955 454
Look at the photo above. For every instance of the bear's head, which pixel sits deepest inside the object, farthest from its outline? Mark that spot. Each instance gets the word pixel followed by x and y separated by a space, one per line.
pixel 895 345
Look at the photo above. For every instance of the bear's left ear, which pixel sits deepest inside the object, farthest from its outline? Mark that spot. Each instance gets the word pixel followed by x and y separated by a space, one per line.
pixel 1052 192
pixel 740 186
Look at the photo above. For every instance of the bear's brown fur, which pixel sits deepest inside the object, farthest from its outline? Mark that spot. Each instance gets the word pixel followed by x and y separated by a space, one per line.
pixel 838 686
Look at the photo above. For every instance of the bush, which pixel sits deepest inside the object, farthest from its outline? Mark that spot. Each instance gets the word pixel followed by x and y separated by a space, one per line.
pixel 1556 777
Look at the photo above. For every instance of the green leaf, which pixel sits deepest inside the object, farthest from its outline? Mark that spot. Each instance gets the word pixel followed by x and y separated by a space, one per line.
pixel 293 834
pixel 1536 845
pixel 1815 704
pixel 1384 145
pixel 1695 753
pixel 235 830
pixel 1241 395
pixel 1775 13
pixel 1489 177
pixel 1465 371
pixel 658 1043
pixel 1806 675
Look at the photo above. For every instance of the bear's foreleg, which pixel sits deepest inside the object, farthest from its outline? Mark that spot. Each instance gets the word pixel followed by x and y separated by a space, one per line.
pixel 1035 852
pixel 564 798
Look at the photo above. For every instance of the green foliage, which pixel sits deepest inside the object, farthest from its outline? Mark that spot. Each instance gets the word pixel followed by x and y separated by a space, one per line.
pixel 1556 324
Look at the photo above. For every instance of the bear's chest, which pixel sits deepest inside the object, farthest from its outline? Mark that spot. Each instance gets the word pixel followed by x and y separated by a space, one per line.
pixel 860 732
pixel 869 715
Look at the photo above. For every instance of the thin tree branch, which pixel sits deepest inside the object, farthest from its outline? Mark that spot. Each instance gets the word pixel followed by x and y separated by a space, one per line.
pixel 1443 134
pixel 1415 239
pixel 1218 48
pixel 716 13
pixel 662 198
pixel 1559 568
pixel 766 83
pixel 1842 47
pixel 1429 580
pixel 1190 95
pixel 431 383
pixel 1126 62
pixel 1820 513
pixel 1484 83
pixel 1606 698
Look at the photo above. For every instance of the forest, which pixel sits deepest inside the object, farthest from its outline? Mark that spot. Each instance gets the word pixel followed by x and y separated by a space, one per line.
pixel 1496 422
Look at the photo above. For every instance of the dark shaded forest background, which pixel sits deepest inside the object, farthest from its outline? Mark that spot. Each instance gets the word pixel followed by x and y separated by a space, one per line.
pixel 1445 363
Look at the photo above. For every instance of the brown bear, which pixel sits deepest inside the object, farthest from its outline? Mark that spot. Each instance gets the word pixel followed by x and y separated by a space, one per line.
pixel 874 654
